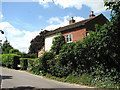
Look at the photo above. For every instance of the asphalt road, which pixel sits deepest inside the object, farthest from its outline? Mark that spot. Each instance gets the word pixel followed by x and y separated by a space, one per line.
pixel 21 80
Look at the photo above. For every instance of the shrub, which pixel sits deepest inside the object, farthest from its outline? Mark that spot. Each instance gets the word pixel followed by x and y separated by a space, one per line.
pixel 30 64
pixel 24 55
pixel 23 63
pixel 65 63
pixel 58 42
pixel 10 60
pixel 44 59
pixel 15 51
pixel 85 79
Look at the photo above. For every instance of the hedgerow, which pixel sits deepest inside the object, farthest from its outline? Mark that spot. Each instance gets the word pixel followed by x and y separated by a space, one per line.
pixel 10 60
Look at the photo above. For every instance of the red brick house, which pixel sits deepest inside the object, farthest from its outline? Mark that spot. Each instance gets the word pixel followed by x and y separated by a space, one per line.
pixel 75 31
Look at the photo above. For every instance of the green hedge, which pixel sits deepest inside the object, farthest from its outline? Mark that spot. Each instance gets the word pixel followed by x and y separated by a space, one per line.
pixel 30 64
pixel 10 60
pixel 23 63
pixel 26 63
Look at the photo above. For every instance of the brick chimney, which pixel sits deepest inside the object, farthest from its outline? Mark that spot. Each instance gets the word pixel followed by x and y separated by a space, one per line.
pixel 71 21
pixel 92 15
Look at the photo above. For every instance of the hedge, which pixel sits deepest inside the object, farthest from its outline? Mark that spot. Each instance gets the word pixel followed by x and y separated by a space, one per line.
pixel 23 63
pixel 30 64
pixel 10 60
pixel 26 63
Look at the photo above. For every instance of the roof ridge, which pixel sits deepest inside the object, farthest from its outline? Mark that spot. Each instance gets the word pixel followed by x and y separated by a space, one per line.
pixel 77 22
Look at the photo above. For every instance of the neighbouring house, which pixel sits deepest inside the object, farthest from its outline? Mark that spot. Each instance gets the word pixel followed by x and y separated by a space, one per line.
pixel 75 31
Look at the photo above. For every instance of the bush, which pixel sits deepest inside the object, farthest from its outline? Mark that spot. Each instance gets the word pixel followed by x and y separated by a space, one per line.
pixel 30 64
pixel 58 42
pixel 44 59
pixel 15 51
pixel 23 63
pixel 85 79
pixel 10 60
pixel 65 62
pixel 24 55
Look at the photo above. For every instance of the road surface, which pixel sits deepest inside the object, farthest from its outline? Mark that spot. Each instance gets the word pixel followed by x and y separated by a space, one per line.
pixel 26 81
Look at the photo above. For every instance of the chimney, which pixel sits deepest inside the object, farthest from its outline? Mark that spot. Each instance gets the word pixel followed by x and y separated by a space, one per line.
pixel 71 21
pixel 92 15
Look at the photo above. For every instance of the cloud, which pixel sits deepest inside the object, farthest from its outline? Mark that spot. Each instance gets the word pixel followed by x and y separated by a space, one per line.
pixel 62 21
pixel 1 16
pixel 19 39
pixel 45 3
pixel 95 5
pixel 54 19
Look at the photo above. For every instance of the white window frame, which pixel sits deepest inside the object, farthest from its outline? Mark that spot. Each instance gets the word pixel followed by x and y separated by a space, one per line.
pixel 68 38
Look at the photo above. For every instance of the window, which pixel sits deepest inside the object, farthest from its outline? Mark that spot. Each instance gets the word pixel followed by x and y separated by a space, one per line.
pixel 68 38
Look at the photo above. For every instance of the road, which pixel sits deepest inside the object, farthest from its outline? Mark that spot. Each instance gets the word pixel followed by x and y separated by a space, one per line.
pixel 23 80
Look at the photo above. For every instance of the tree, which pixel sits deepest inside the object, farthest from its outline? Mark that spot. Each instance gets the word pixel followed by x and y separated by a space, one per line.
pixel 6 47
pixel 37 43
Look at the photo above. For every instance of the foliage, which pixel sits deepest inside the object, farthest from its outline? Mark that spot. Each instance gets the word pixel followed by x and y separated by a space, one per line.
pixel 14 51
pixel 33 55
pixel 23 63
pixel 58 42
pixel 30 64
pixel 44 59
pixel 105 78
pixel 10 60
pixel 37 43
pixel 40 66
pixel 35 68
pixel 65 62
pixel 6 47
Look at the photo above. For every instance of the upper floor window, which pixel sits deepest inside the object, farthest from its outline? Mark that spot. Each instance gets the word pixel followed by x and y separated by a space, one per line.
pixel 68 38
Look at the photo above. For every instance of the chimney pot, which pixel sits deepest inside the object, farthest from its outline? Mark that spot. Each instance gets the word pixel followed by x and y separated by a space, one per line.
pixel 71 18
pixel 71 21
pixel 92 14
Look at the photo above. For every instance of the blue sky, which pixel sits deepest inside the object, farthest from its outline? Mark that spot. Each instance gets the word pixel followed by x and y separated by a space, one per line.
pixel 22 21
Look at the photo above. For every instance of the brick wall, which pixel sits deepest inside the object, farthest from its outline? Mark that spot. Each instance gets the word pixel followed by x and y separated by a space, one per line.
pixel 77 34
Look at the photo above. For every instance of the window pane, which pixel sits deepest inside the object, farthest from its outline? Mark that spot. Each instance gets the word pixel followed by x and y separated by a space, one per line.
pixel 70 35
pixel 68 38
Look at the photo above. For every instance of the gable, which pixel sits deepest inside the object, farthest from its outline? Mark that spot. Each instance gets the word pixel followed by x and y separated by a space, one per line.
pixel 100 20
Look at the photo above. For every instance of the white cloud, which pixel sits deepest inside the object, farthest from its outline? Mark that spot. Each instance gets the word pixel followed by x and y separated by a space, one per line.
pixel 54 19
pixel 1 16
pixel 78 18
pixel 19 39
pixel 95 5
pixel 62 22
pixel 45 3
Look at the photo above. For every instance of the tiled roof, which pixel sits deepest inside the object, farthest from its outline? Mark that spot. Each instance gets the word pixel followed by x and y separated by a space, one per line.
pixel 71 26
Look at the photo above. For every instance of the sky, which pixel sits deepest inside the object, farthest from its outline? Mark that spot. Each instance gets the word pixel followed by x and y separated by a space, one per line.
pixel 22 20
